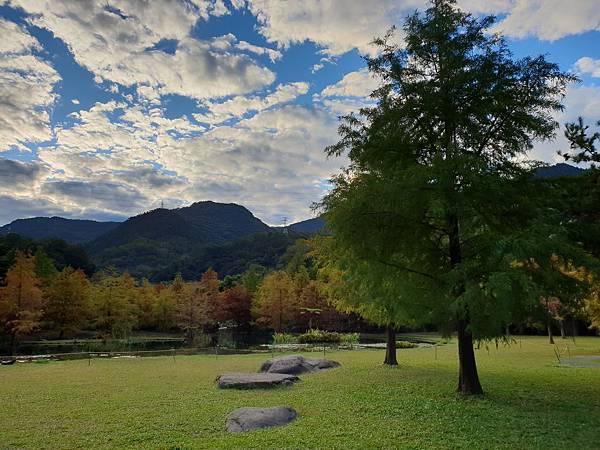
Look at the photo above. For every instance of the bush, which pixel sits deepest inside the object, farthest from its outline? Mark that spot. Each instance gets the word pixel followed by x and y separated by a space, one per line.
pixel 350 338
pixel 284 338
pixel 405 344
pixel 319 337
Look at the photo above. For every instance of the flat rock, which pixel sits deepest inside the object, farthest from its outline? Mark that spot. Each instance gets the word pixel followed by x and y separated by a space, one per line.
pixel 246 419
pixel 297 364
pixel 254 380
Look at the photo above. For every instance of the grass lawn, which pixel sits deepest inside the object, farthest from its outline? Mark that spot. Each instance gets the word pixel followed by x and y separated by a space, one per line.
pixel 530 402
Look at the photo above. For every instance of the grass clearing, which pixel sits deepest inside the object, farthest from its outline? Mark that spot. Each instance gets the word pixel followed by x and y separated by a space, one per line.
pixel 531 402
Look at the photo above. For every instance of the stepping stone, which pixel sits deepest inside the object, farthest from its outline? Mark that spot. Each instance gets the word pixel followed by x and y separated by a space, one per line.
pixel 297 364
pixel 247 419
pixel 255 380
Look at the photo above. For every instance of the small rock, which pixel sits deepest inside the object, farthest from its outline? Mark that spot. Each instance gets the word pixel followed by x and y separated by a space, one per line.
pixel 246 419
pixel 297 364
pixel 255 380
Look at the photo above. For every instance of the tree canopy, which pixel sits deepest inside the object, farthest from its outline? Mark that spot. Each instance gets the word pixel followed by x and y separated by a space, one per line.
pixel 437 190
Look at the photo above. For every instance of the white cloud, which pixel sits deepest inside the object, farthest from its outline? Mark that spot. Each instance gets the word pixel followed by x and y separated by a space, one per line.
pixel 118 44
pixel 26 89
pixel 336 26
pixel 350 94
pixel 273 55
pixel 316 68
pixel 588 66
pixel 548 19
pixel 360 83
pixel 339 26
pixel 273 163
pixel 219 9
pixel 240 105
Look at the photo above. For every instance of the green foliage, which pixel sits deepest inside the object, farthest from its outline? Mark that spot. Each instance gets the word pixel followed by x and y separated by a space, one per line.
pixel 67 301
pixel 405 344
pixel 350 338
pixel 319 337
pixel 115 311
pixel 51 255
pixel 583 141
pixel 434 210
pixel 284 338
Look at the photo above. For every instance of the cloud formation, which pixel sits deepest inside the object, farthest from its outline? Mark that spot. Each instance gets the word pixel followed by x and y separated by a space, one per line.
pixel 26 89
pixel 588 66
pixel 237 106
pixel 241 127
pixel 121 41
pixel 339 27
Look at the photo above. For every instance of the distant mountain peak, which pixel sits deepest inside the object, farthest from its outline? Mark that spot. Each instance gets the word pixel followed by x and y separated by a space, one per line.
pixel 559 170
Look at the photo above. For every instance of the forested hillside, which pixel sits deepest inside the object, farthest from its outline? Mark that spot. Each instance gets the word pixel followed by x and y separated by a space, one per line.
pixel 70 230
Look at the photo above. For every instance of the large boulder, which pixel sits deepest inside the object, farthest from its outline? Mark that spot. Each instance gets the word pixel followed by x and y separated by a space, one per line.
pixel 296 365
pixel 246 419
pixel 255 380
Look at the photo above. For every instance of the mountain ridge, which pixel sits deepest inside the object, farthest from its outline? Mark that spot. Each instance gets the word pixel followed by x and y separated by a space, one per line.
pixel 74 231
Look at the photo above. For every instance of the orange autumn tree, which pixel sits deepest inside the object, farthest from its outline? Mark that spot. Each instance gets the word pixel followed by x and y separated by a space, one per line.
pixel 195 303
pixel 20 299
pixel 234 306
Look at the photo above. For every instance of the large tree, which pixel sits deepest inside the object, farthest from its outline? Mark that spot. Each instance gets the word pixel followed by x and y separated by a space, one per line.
pixel 276 303
pixel 114 308
pixel 20 299
pixel 434 189
pixel 68 301
pixel 196 303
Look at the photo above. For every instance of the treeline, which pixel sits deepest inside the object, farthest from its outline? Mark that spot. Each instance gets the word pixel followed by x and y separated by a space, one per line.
pixel 63 303
pixel 51 254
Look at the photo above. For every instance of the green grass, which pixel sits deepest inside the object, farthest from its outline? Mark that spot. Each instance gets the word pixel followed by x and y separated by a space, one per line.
pixel 530 402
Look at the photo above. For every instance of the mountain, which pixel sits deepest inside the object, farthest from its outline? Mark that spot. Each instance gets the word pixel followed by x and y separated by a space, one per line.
pixel 151 242
pixel 309 226
pixel 159 243
pixel 72 231
pixel 559 170
pixel 201 223
pixel 221 222
pixel 231 258
pixel 159 224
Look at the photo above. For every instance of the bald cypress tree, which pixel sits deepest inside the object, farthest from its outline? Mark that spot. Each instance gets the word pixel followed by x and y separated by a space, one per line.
pixel 434 190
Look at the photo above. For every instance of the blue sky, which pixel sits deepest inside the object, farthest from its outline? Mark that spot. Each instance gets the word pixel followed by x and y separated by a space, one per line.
pixel 108 108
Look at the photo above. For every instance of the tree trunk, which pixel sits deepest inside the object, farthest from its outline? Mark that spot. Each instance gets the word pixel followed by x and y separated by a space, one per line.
pixel 562 329
pixel 390 349
pixel 468 379
pixel 550 337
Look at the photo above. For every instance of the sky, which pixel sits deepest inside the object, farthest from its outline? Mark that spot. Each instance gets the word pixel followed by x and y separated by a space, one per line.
pixel 110 108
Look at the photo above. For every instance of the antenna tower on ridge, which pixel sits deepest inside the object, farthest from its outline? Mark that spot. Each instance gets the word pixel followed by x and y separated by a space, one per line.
pixel 285 229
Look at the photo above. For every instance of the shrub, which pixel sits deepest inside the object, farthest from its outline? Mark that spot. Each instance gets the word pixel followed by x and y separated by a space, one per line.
pixel 319 337
pixel 350 338
pixel 405 344
pixel 284 338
